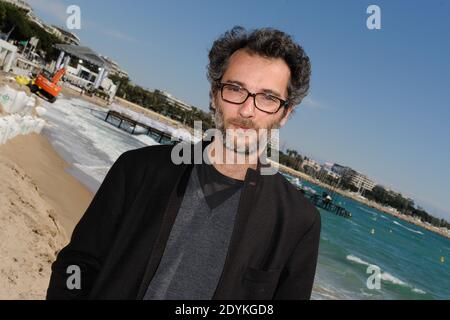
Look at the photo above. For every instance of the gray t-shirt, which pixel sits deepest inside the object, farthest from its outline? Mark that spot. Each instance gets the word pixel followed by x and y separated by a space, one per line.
pixel 195 252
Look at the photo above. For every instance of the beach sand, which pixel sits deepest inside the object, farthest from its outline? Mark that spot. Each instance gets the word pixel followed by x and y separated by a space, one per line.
pixel 40 204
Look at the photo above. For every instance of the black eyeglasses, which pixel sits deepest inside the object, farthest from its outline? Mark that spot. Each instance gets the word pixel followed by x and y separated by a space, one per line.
pixel 265 102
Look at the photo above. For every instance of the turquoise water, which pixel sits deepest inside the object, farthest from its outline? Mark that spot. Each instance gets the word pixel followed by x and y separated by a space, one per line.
pixel 409 257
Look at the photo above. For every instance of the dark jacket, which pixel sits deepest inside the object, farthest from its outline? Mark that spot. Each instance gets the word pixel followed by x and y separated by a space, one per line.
pixel 119 241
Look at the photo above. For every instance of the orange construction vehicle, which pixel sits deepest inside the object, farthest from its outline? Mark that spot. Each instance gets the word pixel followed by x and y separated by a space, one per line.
pixel 47 84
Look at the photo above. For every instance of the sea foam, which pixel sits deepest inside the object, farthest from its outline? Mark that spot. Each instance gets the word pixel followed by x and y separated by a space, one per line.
pixel 412 230
pixel 385 276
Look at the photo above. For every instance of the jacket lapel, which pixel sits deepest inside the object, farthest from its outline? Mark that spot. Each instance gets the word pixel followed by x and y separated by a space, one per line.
pixel 170 214
pixel 244 210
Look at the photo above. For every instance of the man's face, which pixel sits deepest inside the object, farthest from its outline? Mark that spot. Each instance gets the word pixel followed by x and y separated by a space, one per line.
pixel 256 74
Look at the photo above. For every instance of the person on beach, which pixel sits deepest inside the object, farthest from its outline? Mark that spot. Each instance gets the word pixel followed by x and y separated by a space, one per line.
pixel 161 229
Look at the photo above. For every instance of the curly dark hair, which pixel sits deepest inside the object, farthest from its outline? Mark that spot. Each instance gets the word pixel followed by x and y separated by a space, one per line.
pixel 266 42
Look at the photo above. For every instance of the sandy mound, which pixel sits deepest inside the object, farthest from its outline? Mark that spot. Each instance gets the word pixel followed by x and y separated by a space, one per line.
pixel 30 236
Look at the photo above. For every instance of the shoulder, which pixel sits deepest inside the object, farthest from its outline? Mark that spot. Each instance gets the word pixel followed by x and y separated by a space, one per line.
pixel 151 153
pixel 161 154
pixel 144 162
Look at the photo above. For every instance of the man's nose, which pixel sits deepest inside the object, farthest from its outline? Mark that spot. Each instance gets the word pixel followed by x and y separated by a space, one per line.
pixel 247 109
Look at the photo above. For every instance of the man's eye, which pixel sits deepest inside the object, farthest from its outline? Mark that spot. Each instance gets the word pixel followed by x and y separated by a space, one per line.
pixel 234 88
pixel 270 98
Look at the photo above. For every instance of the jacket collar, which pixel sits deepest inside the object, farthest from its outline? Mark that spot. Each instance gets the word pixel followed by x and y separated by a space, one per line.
pixel 251 176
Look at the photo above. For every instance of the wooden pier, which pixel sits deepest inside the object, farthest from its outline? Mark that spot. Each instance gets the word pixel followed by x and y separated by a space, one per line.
pixel 327 205
pixel 158 135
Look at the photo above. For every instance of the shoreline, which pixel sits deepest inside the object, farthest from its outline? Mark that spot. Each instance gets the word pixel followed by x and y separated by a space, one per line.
pixel 40 204
pixel 35 154
pixel 71 93
pixel 367 202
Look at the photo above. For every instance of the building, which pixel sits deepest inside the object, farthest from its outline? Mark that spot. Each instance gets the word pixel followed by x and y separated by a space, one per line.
pixel 173 101
pixel 328 165
pixel 274 141
pixel 67 36
pixel 90 68
pixel 337 171
pixel 115 68
pixel 359 180
pixel 32 17
pixel 8 53
pixel 340 170
pixel 49 28
pixel 327 172
pixel 310 163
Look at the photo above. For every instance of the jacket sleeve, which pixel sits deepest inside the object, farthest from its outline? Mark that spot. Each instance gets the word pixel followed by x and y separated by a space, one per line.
pixel 90 240
pixel 297 278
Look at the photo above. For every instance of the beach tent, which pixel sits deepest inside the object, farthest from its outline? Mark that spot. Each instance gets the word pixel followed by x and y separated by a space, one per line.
pixel 85 54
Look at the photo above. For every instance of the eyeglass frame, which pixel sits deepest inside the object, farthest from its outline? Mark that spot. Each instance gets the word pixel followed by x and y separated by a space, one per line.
pixel 221 85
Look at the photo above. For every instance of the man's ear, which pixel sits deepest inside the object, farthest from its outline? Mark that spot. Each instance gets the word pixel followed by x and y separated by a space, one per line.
pixel 285 117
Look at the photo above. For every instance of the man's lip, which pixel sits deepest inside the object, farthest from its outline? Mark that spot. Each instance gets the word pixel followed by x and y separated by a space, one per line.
pixel 238 126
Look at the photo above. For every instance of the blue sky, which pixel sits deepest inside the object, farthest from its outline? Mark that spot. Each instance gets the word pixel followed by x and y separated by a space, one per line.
pixel 379 99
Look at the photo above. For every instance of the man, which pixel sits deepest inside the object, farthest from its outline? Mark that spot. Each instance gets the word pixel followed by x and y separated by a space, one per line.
pixel 215 230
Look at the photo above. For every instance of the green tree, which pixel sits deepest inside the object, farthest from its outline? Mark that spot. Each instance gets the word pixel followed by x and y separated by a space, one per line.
pixel 24 29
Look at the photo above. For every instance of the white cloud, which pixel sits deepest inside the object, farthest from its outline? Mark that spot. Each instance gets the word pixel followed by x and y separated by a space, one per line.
pixel 310 102
pixel 118 35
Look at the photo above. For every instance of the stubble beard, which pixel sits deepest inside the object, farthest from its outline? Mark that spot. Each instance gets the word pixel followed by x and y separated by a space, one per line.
pixel 230 137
